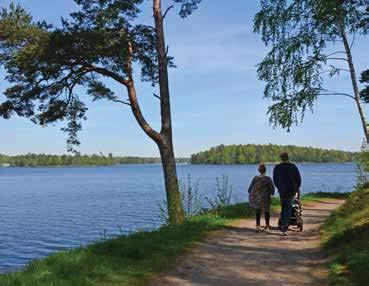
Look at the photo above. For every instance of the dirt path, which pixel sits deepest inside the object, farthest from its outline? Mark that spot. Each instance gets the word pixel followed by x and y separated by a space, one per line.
pixel 239 256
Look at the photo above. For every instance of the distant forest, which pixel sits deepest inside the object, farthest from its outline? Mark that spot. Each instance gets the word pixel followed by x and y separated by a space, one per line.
pixel 251 154
pixel 232 154
pixel 45 160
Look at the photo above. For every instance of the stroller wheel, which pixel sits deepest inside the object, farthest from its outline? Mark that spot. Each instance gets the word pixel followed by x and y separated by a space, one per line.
pixel 301 226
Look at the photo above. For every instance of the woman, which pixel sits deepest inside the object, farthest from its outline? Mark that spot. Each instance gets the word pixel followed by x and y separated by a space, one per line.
pixel 260 191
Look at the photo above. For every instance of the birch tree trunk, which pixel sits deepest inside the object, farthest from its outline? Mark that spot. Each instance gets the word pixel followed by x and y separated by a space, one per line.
pixel 355 84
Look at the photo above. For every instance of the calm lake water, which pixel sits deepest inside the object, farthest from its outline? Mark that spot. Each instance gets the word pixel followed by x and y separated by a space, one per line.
pixel 43 210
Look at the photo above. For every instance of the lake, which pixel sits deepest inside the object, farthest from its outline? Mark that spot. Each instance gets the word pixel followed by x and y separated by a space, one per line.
pixel 43 210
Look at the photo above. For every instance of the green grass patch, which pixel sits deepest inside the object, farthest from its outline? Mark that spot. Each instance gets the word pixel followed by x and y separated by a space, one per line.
pixel 324 195
pixel 346 237
pixel 242 210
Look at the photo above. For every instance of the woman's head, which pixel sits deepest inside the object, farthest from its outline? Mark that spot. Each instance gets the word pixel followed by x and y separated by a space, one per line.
pixel 262 169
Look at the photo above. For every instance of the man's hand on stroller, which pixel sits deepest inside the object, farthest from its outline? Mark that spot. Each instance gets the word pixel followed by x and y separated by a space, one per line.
pixel 298 195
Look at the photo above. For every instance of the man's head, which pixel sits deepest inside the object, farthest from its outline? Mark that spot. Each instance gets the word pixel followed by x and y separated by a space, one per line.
pixel 284 157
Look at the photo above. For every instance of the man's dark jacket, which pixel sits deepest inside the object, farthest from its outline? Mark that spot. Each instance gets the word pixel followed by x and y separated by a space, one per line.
pixel 287 179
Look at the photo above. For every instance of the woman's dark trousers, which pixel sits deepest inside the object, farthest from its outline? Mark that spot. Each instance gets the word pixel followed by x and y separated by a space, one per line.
pixel 286 204
pixel 258 217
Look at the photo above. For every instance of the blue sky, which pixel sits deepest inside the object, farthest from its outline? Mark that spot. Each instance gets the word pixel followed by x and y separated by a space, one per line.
pixel 216 97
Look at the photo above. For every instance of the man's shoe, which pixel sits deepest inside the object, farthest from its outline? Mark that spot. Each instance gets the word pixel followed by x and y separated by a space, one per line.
pixel 258 229
pixel 267 229
pixel 285 233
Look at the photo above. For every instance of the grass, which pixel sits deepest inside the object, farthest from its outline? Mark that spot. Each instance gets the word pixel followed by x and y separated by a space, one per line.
pixel 242 210
pixel 127 260
pixel 311 197
pixel 346 238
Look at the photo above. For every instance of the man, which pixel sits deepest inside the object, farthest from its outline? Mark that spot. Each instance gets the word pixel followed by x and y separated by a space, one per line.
pixel 287 179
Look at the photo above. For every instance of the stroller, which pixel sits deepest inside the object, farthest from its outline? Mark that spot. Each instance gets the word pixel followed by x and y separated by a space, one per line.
pixel 296 215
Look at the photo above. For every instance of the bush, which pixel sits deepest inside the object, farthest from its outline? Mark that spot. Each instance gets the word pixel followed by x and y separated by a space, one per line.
pixel 362 166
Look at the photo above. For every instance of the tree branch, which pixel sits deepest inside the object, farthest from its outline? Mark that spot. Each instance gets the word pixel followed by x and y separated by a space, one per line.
pixel 353 41
pixel 335 53
pixel 106 72
pixel 329 71
pixel 338 93
pixel 121 101
pixel 157 96
pixel 128 63
pixel 346 70
pixel 135 107
pixel 154 135
pixel 336 59
pixel 166 11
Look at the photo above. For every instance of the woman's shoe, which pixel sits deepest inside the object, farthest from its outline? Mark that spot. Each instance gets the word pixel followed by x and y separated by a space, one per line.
pixel 267 229
pixel 258 229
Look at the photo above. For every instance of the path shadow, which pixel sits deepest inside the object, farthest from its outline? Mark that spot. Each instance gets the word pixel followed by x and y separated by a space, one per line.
pixel 274 230
pixel 210 270
pixel 315 210
pixel 324 202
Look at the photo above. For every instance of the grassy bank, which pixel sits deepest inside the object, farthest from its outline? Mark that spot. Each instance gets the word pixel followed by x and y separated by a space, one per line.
pixel 346 238
pixel 127 260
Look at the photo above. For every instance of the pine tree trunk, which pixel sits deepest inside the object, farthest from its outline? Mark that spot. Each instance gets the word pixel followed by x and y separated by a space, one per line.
pixel 175 210
pixel 174 203
pixel 355 84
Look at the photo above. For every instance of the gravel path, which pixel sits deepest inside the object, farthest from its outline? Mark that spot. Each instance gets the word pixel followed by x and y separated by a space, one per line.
pixel 239 256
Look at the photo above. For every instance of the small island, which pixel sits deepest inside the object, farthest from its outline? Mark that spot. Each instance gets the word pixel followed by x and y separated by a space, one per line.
pixel 253 154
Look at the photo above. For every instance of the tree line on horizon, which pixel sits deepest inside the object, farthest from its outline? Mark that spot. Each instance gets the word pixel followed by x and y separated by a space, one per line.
pixel 48 160
pixel 253 154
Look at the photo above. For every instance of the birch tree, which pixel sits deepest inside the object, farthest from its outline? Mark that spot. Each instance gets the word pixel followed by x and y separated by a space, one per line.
pixel 300 35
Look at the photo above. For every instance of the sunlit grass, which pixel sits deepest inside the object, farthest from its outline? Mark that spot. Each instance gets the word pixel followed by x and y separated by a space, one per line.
pixel 346 237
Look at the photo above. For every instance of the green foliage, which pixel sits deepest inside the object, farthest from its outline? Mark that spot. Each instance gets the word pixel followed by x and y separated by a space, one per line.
pixel 45 160
pixel 252 154
pixel 362 165
pixel 298 34
pixel 325 195
pixel 188 6
pixel 223 196
pixel 192 201
pixel 49 67
pixel 346 236
pixel 364 94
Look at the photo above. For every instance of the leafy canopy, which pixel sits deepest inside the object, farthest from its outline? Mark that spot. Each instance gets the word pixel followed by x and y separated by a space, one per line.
pixel 46 65
pixel 297 33
pixel 364 94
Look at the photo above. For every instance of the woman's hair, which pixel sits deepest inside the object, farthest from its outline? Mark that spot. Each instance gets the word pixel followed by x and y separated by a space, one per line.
pixel 262 169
